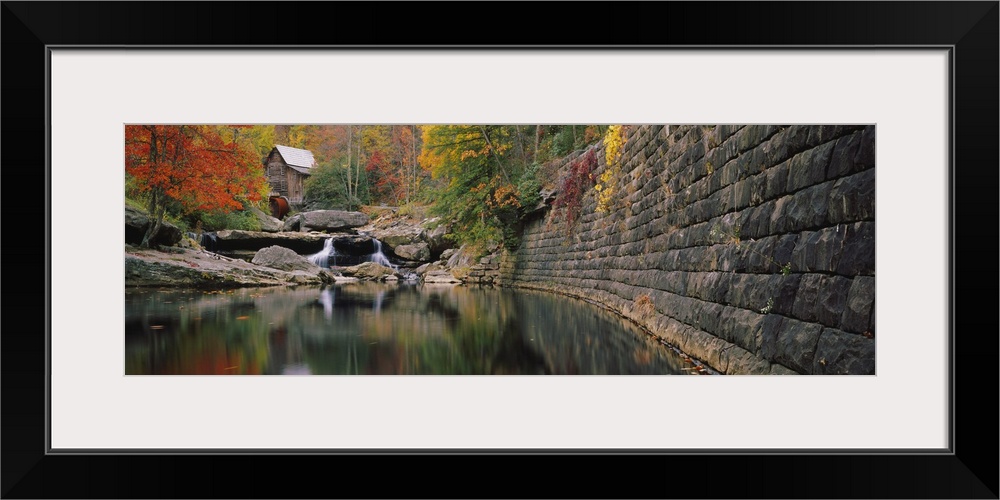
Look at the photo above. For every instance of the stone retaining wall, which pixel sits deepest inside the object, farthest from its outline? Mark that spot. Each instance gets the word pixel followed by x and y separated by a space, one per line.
pixel 751 248
pixel 486 272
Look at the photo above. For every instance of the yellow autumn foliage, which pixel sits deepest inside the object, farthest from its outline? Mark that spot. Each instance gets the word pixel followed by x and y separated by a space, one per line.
pixel 614 141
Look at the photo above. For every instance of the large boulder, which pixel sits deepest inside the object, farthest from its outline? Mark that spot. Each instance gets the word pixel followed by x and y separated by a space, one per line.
pixel 331 220
pixel 368 271
pixel 292 223
pixel 418 252
pixel 137 222
pixel 436 237
pixel 464 257
pixel 399 234
pixel 268 224
pixel 283 259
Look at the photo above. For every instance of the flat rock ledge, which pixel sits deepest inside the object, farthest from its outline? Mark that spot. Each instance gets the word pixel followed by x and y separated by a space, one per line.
pixel 193 268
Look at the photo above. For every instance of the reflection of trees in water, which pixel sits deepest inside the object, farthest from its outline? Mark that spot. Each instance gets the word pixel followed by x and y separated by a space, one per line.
pixel 368 328
pixel 191 332
pixel 208 348
pixel 577 337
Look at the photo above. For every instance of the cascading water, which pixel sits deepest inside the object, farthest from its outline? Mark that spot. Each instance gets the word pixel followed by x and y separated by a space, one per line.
pixel 208 241
pixel 379 258
pixel 322 258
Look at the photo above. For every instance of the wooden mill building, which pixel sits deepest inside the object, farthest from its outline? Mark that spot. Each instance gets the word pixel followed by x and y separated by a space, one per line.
pixel 286 169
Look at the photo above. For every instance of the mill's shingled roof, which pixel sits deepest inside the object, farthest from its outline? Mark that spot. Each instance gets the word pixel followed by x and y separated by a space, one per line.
pixel 301 160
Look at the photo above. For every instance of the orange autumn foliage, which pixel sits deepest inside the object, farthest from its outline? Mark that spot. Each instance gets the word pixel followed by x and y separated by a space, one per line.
pixel 192 165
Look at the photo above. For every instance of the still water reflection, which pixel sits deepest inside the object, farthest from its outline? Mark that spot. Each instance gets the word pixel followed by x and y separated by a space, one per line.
pixel 368 328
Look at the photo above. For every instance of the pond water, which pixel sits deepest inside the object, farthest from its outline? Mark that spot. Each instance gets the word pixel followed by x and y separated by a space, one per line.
pixel 383 329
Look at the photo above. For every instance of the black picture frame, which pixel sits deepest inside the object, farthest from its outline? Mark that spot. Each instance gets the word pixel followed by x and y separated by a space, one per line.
pixel 968 470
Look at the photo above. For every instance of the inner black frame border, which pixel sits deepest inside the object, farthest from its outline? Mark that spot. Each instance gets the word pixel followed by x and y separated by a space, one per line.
pixel 968 29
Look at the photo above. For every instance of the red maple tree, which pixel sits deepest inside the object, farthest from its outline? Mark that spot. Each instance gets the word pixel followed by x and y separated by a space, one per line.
pixel 191 167
pixel 385 182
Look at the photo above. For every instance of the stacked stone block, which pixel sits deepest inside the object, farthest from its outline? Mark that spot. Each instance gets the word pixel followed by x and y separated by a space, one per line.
pixel 486 272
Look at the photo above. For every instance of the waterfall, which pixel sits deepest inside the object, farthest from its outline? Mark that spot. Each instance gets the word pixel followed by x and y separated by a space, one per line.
pixel 379 258
pixel 322 258
pixel 208 241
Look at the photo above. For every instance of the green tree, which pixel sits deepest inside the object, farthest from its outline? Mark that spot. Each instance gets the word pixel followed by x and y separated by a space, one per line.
pixel 484 169
pixel 327 186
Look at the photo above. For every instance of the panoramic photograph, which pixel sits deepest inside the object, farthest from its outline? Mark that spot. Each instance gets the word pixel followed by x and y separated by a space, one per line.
pixel 499 249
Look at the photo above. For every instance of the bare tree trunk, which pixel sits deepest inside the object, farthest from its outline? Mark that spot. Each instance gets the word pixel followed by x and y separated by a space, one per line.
pixel 281 134
pixel 357 173
pixel 413 162
pixel 538 137
pixel 153 199
pixel 157 210
pixel 399 152
pixel 520 144
pixel 350 145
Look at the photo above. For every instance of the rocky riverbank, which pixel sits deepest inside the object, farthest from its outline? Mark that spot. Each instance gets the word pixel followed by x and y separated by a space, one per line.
pixel 312 248
pixel 198 268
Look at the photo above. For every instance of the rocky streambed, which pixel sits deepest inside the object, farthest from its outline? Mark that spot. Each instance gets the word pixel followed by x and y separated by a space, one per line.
pixel 318 247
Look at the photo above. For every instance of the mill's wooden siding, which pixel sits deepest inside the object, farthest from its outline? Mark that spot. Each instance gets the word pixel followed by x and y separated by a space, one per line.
pixel 276 176
pixel 296 192
pixel 285 181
